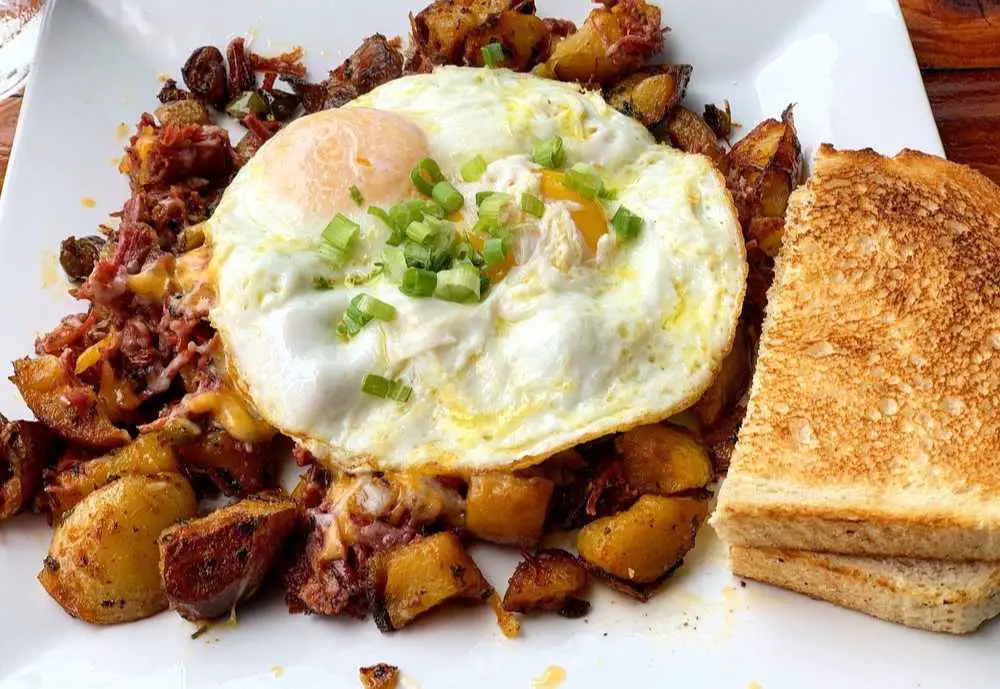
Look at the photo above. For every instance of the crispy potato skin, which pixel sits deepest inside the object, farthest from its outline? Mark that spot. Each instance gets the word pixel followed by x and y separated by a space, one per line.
pixel 690 133
pixel 646 541
pixel 663 459
pixel 651 94
pixel 181 112
pixel 545 581
pixel 209 565
pixel 25 448
pixel 44 384
pixel 731 382
pixel 102 564
pixel 408 581
pixel 146 455
pixel 507 509
pixel 236 468
pixel 440 29
pixel 525 39
pixel 379 676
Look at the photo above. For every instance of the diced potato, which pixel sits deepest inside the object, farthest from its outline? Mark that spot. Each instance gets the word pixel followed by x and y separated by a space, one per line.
pixel 524 37
pixel 507 509
pixel 209 565
pixel 663 460
pixel 380 676
pixel 550 580
pixel 690 133
pixel 236 468
pixel 102 564
pixel 408 581
pixel 651 94
pixel 731 381
pixel 146 455
pixel 47 389
pixel 440 29
pixel 644 543
pixel 25 447
pixel 181 112
pixel 587 56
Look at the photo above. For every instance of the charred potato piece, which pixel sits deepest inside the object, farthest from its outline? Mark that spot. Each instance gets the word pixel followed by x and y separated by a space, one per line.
pixel 146 455
pixel 731 381
pixel 663 460
pixel 209 565
pixel 651 94
pixel 645 542
pixel 181 112
pixel 235 467
pixel 102 564
pixel 524 37
pixel 379 676
pixel 25 448
pixel 614 40
pixel 441 28
pixel 551 581
pixel 507 509
pixel 48 389
pixel 764 167
pixel 690 133
pixel 77 256
pixel 408 581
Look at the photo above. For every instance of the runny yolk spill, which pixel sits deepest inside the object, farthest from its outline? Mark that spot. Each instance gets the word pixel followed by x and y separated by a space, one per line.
pixel 550 679
pixel 88 202
pixel 589 217
pixel 496 271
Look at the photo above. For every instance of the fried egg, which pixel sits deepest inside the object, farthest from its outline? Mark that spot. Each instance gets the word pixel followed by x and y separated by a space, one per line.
pixel 581 332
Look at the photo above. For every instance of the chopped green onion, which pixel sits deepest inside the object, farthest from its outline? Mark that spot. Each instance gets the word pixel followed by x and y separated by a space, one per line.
pixel 377 386
pixel 465 253
pixel 549 153
pixel 348 327
pixel 356 195
pixel 432 209
pixel 492 54
pixel 459 284
pixel 627 225
pixel 482 196
pixel 248 102
pixel 420 232
pixel 380 214
pixel 440 259
pixel 395 263
pixel 447 196
pixel 425 175
pixel 398 392
pixel 532 205
pixel 418 282
pixel 493 251
pixel 332 255
pixel 492 207
pixel 473 169
pixel 341 232
pixel 417 256
pixel 368 307
pixel 396 235
pixel 323 283
pixel 584 180
pixel 484 286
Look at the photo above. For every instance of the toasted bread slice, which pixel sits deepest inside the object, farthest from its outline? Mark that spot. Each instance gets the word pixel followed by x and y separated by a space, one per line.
pixel 873 424
pixel 936 595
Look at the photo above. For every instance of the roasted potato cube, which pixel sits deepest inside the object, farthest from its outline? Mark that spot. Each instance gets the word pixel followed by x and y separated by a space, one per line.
pixel 440 29
pixel 25 448
pixel 507 509
pixel 102 564
pixel 731 381
pixel 380 676
pixel 209 565
pixel 524 37
pixel 651 94
pixel 645 542
pixel 146 455
pixel 663 459
pixel 408 581
pixel 181 112
pixel 236 468
pixel 49 392
pixel 550 580
pixel 689 132
pixel 595 54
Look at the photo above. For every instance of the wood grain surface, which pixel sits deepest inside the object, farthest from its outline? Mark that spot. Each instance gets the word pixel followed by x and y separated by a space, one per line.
pixel 957 43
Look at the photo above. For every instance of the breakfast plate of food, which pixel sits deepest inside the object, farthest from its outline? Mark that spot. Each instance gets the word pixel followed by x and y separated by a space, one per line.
pixel 494 343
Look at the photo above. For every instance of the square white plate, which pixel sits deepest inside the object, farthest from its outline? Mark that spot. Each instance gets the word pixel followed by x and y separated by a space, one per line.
pixel 850 69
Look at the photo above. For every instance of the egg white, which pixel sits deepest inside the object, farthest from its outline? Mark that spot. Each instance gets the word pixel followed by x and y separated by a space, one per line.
pixel 572 344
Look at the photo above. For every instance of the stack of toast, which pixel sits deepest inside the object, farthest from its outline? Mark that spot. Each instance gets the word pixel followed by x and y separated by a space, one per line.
pixel 867 470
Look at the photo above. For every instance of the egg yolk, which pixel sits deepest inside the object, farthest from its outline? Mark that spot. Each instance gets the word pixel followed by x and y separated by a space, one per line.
pixel 496 271
pixel 589 216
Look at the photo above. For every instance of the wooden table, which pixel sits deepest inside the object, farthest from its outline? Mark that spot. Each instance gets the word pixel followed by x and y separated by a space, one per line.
pixel 957 44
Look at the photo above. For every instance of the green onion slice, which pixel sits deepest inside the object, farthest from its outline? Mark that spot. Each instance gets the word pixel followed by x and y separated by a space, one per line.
pixel 532 205
pixel 492 54
pixel 332 255
pixel 494 208
pixel 459 284
pixel 549 153
pixel 418 282
pixel 493 251
pixel 425 175
pixel 377 386
pixel 474 169
pixel 627 225
pixel 341 232
pixel 417 256
pixel 420 232
pixel 447 196
pixel 395 263
pixel 348 327
pixel 368 307
pixel 356 195
pixel 584 180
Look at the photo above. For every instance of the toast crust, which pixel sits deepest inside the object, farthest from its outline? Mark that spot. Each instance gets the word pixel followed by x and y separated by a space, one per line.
pixel 926 594
pixel 873 424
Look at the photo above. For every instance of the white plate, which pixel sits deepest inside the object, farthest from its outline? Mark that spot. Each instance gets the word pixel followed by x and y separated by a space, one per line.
pixel 850 69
